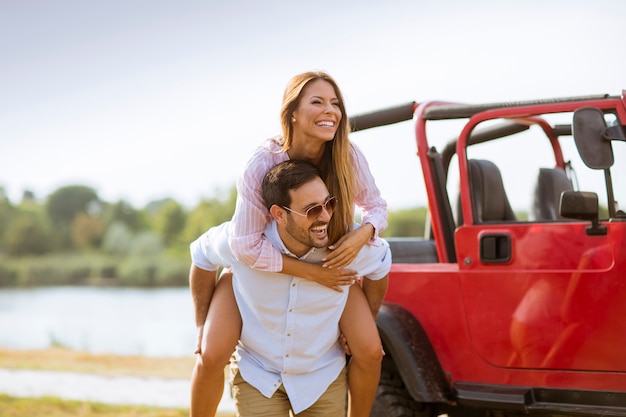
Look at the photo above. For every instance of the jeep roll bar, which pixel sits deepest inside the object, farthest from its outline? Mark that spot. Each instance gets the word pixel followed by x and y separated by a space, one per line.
pixel 383 117
pixel 404 112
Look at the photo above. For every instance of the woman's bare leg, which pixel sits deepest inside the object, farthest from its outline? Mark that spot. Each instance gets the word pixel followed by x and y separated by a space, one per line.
pixel 222 329
pixel 358 326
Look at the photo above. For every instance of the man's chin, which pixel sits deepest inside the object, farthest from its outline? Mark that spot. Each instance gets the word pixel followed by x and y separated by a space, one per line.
pixel 320 242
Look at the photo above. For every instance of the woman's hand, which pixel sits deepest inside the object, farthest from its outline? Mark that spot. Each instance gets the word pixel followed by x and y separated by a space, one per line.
pixel 348 247
pixel 333 278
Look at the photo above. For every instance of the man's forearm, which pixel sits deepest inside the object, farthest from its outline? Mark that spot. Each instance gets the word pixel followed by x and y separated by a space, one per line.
pixel 202 285
pixel 375 292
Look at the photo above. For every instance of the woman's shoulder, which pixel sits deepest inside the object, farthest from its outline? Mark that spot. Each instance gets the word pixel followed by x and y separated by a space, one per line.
pixel 354 149
pixel 273 144
pixel 266 155
pixel 356 154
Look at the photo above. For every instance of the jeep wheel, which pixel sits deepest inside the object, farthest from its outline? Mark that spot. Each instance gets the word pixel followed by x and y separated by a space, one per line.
pixel 393 400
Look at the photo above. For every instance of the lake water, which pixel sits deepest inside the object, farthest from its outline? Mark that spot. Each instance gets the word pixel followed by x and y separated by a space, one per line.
pixel 151 322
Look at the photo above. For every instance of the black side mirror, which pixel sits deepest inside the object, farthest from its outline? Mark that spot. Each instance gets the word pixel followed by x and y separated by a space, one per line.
pixel 590 136
pixel 583 206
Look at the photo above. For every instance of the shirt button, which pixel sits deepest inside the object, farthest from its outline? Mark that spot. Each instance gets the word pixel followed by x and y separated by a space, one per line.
pixel 293 285
pixel 291 310
pixel 288 334
pixel 287 355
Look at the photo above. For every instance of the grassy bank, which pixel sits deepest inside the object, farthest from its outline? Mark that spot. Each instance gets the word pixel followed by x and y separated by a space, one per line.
pixel 54 407
pixel 60 359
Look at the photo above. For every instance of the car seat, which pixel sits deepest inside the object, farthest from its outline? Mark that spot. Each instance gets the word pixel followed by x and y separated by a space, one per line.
pixel 489 200
pixel 551 183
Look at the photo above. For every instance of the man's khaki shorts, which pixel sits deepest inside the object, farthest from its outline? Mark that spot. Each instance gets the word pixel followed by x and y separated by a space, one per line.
pixel 251 403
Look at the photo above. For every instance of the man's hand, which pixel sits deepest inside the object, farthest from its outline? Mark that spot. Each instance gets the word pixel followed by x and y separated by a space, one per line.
pixel 344 343
pixel 198 350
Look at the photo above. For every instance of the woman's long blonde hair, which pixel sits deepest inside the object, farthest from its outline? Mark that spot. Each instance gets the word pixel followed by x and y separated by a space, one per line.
pixel 336 165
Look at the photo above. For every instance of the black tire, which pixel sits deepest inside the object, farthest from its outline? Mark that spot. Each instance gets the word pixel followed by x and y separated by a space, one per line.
pixel 393 399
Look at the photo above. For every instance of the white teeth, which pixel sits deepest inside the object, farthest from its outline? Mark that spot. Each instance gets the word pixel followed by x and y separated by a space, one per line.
pixel 319 229
pixel 328 124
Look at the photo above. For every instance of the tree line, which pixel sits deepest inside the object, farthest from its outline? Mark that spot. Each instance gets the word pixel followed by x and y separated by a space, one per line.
pixel 76 237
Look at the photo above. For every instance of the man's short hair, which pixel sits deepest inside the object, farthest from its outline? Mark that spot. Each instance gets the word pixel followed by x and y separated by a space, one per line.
pixel 284 177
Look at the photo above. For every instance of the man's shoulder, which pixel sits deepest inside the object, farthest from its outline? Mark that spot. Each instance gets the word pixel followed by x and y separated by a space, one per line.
pixel 212 245
pixel 375 255
pixel 218 233
pixel 378 246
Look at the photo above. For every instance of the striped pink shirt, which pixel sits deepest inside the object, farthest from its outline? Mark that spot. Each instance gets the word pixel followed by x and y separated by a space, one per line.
pixel 247 240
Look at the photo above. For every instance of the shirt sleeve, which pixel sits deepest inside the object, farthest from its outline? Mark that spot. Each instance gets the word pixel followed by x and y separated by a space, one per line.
pixel 373 261
pixel 368 198
pixel 247 241
pixel 210 250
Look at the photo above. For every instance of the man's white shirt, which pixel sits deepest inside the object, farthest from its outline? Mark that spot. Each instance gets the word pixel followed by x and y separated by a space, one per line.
pixel 290 332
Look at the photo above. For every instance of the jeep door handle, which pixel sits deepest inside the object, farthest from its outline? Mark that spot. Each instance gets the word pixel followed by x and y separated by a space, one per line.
pixel 495 248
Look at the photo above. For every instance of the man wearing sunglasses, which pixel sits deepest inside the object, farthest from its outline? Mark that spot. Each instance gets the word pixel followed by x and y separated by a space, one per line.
pixel 289 356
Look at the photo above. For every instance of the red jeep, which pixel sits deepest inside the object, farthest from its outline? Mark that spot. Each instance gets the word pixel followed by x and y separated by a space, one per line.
pixel 502 313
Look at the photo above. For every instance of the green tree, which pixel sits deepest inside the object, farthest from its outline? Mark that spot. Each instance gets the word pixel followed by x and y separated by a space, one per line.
pixel 64 205
pixel 406 223
pixel 28 197
pixel 26 235
pixel 117 239
pixel 209 213
pixel 124 212
pixel 7 212
pixel 199 220
pixel 169 221
pixel 146 244
pixel 87 231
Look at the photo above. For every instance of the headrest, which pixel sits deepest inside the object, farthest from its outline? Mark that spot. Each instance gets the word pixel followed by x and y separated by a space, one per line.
pixel 489 200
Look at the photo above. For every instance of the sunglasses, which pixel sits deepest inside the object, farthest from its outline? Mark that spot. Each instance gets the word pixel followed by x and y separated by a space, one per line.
pixel 314 212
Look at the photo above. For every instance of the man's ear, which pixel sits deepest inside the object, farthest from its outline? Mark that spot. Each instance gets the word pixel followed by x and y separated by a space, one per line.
pixel 278 213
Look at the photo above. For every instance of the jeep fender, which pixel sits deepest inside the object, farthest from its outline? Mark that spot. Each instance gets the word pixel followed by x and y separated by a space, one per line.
pixel 407 345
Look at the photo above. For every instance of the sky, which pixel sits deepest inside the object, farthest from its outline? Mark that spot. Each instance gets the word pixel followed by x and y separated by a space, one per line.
pixel 148 99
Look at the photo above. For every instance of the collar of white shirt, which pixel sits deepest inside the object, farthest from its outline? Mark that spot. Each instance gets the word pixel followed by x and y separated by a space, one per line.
pixel 314 255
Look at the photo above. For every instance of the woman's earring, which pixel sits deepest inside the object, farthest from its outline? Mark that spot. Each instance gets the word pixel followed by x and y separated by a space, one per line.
pixel 293 120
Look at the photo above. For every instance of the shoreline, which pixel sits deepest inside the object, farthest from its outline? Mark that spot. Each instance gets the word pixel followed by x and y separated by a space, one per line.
pixel 101 378
pixel 64 359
